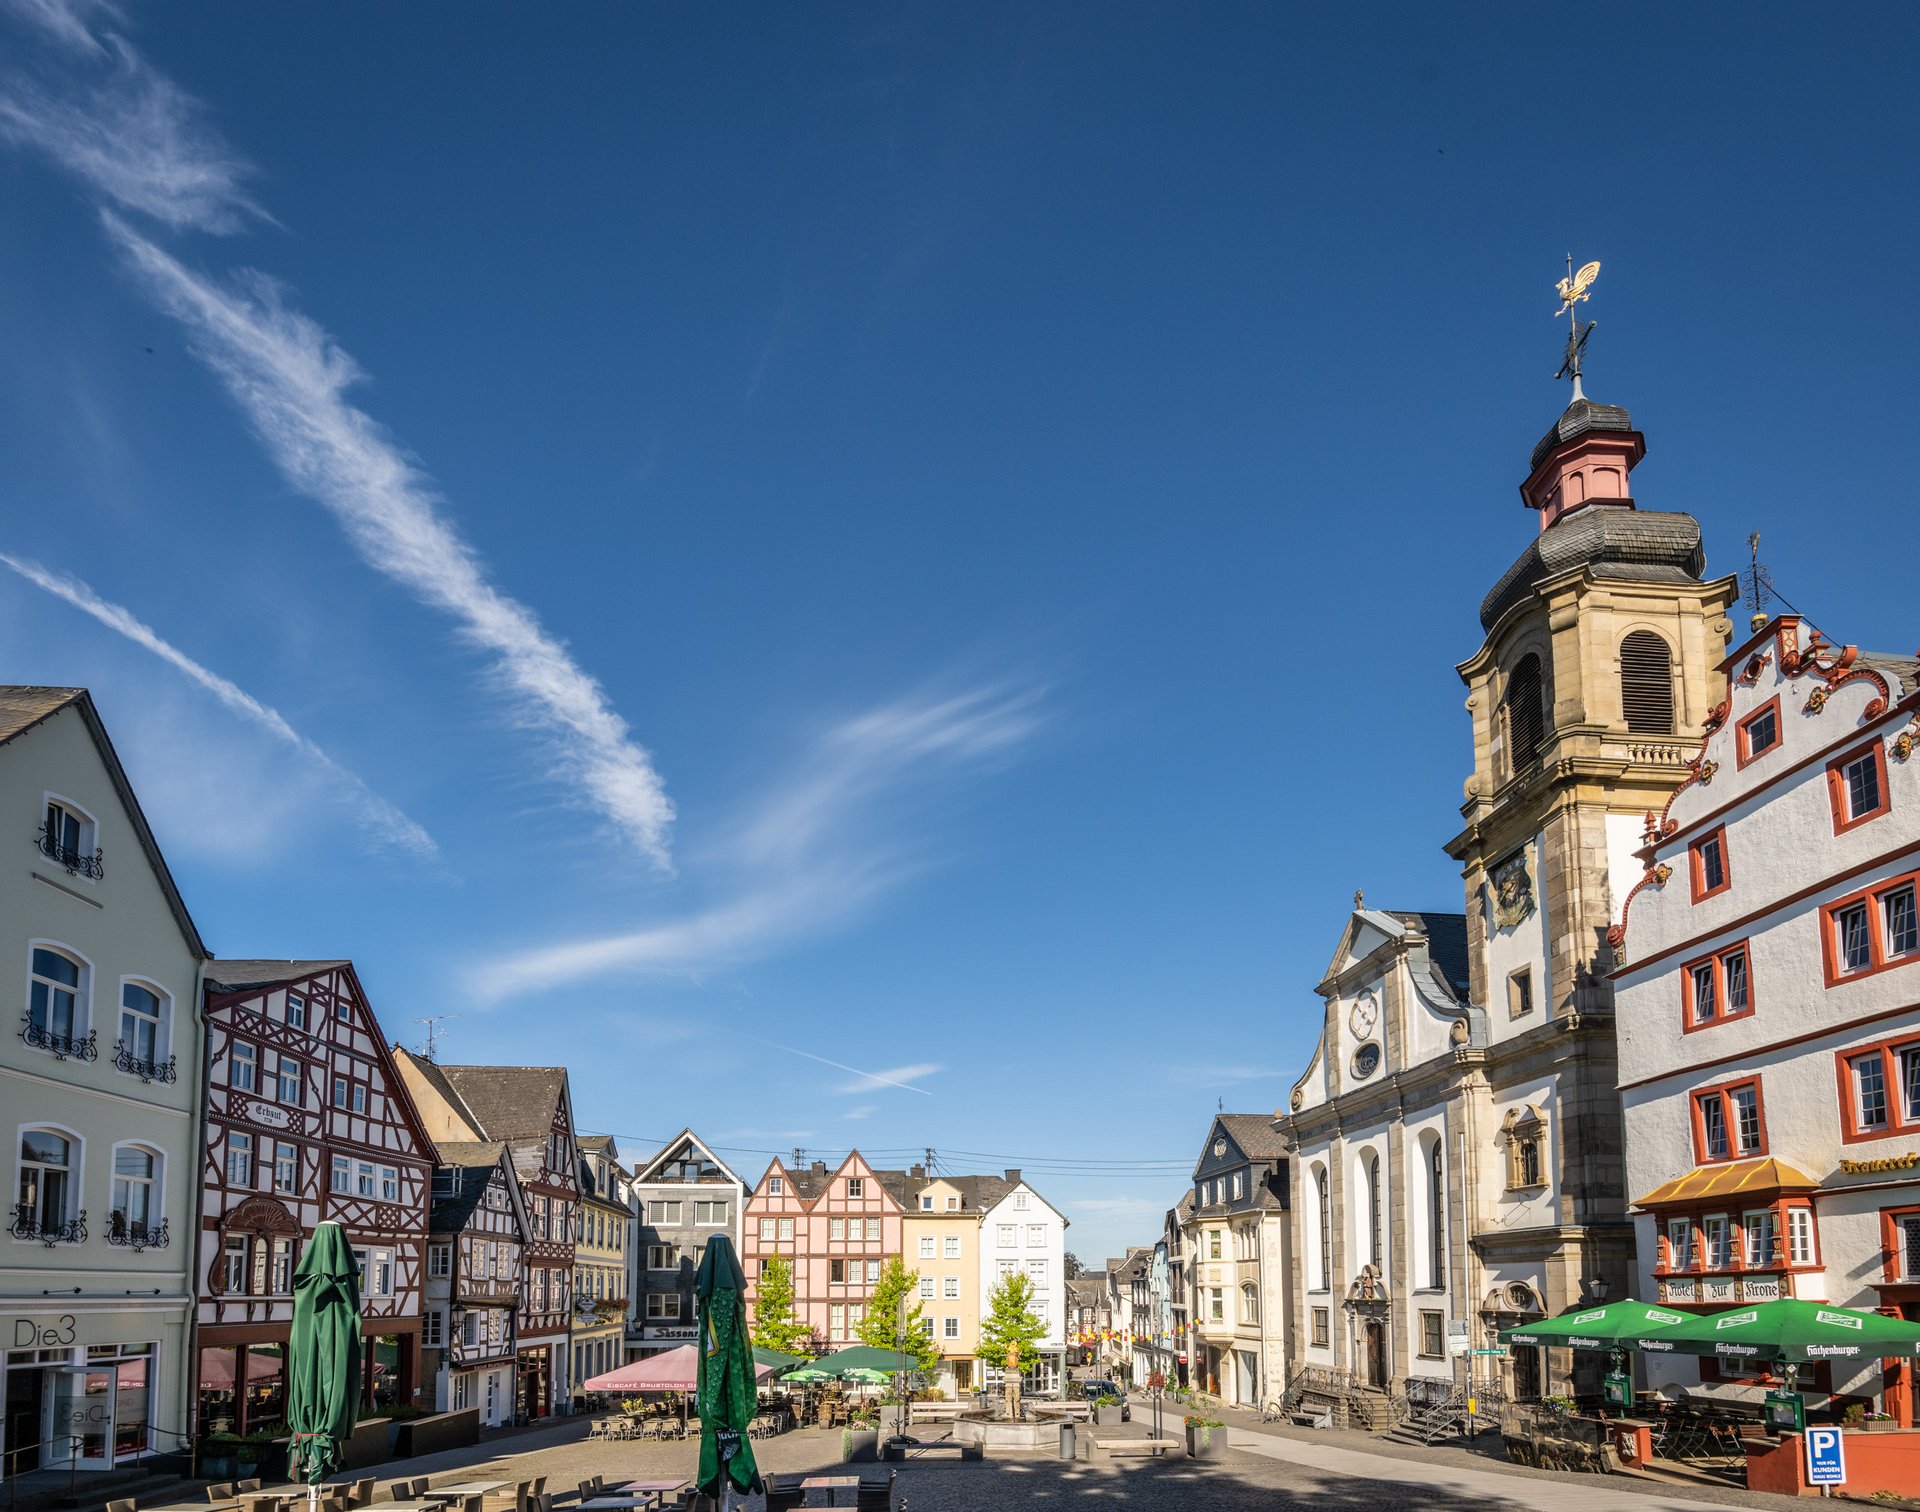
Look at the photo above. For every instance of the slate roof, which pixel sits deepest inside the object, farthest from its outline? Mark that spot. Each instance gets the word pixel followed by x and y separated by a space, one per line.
pixel 977 1193
pixel 22 706
pixel 1446 946
pixel 810 1181
pixel 239 976
pixel 511 1103
pixel 473 1162
pixel 1580 417
pixel 1255 1134
pixel 1637 544
pixel 595 1141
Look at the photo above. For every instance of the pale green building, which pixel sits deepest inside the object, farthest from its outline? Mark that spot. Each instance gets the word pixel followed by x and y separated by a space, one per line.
pixel 99 1102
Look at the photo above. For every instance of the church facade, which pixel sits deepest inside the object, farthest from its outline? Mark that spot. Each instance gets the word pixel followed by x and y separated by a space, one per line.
pixel 1457 1131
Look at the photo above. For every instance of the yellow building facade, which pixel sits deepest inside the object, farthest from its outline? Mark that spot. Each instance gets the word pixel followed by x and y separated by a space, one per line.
pixel 941 1239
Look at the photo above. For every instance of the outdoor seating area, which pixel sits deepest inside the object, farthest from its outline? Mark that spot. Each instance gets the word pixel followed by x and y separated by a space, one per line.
pixel 1747 1432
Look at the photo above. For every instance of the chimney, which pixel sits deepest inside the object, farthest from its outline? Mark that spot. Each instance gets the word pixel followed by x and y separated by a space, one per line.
pixel 819 1168
pixel 1013 1177
pixel 918 1172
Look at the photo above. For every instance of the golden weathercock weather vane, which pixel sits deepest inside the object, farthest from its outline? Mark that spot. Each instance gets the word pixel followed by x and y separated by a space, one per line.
pixel 1573 289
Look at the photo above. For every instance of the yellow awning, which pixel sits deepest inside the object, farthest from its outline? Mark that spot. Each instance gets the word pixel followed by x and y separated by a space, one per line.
pixel 1743 1178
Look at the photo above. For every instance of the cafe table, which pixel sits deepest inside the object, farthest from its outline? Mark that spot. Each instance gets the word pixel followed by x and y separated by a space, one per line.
pixel 655 1491
pixel 465 1488
pixel 831 1490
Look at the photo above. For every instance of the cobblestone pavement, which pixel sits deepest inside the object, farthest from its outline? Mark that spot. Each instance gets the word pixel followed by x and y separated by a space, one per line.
pixel 1265 1469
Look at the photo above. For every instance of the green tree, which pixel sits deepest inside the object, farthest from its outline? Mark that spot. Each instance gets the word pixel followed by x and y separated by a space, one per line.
pixel 881 1328
pixel 773 1324
pixel 1071 1267
pixel 1010 1320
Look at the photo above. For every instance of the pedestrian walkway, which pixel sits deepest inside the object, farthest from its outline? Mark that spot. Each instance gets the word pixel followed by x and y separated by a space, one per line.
pixel 1590 1493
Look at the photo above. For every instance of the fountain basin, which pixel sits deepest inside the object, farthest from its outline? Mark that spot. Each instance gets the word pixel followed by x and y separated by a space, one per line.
pixel 1007 1435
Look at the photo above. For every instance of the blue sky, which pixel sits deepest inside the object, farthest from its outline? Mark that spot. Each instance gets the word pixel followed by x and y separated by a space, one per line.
pixel 934 536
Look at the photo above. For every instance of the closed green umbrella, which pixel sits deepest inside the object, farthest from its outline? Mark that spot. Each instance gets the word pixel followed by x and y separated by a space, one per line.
pixel 323 1356
pixel 729 1395
pixel 1618 1325
pixel 1789 1330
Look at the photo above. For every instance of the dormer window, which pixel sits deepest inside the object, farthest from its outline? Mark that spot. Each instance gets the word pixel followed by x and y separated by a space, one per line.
pixel 926 1204
pixel 70 838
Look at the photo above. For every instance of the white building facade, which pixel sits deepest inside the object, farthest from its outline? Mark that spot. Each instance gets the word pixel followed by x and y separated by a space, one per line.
pixel 1769 1033
pixel 1239 1251
pixel 1023 1233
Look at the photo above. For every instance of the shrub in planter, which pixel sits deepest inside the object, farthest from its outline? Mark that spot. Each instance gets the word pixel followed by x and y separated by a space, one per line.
pixel 1107 1412
pixel 1206 1438
pixel 859 1446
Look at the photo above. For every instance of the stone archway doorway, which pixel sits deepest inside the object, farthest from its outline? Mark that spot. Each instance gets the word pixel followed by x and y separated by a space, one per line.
pixel 1375 1334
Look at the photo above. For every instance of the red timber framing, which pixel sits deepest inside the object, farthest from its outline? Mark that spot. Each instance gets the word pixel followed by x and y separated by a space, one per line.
pixel 289 1143
pixel 837 1228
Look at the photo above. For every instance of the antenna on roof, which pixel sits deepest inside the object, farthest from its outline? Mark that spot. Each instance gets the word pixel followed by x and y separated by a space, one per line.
pixel 1759 584
pixel 433 1022
pixel 799 1156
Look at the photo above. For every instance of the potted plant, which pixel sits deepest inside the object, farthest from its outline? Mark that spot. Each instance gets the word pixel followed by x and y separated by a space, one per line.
pixel 1107 1411
pixel 859 1446
pixel 1206 1437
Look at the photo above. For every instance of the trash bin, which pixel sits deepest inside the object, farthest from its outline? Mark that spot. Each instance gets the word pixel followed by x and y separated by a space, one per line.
pixel 1067 1446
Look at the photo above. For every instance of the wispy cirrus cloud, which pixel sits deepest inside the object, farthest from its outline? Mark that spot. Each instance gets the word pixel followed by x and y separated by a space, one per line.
pixel 381 822
pixel 813 853
pixel 863 1081
pixel 139 144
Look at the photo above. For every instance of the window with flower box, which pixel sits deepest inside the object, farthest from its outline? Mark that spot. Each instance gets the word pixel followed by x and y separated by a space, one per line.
pixel 1716 988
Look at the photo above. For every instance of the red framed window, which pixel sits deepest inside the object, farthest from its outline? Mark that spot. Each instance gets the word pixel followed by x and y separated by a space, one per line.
pixel 1879 1089
pixel 1857 786
pixel 1716 988
pixel 1873 929
pixel 1707 860
pixel 1758 733
pixel 1900 1242
pixel 1729 1122
pixel 1779 1235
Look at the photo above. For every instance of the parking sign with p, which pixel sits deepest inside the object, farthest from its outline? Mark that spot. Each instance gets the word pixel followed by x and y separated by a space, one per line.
pixel 1826 1457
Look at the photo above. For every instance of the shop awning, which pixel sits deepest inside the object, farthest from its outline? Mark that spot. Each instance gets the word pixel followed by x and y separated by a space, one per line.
pixel 1739 1179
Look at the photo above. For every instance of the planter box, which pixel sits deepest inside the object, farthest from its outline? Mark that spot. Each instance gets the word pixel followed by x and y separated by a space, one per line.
pixel 1206 1443
pixel 865 1447
pixel 431 1435
pixel 1108 1417
pixel 371 1444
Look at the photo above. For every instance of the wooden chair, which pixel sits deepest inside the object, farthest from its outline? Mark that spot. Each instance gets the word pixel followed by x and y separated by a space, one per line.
pixel 243 1487
pixel 221 1493
pixel 126 1505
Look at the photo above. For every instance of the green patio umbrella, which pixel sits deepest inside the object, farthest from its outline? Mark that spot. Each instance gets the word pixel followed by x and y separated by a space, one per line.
pixel 323 1356
pixel 1617 1325
pixel 729 1393
pixel 775 1359
pixel 1791 1331
pixel 844 1362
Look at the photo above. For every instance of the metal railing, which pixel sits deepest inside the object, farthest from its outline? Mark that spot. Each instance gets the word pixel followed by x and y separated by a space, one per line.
pixel 147 1070
pixel 27 1224
pixel 136 1236
pixel 73 1441
pixel 77 862
pixel 40 1037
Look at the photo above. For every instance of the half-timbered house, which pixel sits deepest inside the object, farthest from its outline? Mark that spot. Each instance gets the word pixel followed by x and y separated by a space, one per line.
pixel 306 1120
pixel 530 1110
pixel 477 1234
pixel 837 1228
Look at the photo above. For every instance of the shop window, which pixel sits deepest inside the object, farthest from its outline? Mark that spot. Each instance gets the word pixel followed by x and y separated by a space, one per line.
pixel 1707 861
pixel 1857 787
pixel 1716 988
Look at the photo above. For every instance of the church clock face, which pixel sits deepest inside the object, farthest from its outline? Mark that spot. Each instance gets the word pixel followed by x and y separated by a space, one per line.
pixel 1365 1014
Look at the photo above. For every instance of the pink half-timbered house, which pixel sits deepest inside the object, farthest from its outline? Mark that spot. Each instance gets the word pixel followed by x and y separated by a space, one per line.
pixel 837 1228
pixel 306 1120
pixel 475 1270
pixel 530 1110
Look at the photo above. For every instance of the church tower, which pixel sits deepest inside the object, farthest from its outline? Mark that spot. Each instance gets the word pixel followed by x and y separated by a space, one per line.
pixel 1588 699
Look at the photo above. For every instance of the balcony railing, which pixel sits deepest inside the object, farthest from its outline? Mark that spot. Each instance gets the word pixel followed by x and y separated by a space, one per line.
pixel 146 1070
pixel 136 1236
pixel 78 863
pixel 29 1224
pixel 80 1047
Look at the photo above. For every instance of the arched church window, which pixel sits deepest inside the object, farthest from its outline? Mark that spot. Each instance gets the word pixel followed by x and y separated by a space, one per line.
pixel 1646 683
pixel 1525 708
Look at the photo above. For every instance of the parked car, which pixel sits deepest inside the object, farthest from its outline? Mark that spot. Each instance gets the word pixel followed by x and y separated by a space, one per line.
pixel 1094 1390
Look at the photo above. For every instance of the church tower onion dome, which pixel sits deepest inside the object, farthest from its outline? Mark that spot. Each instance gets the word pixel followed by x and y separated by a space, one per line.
pixel 1588 518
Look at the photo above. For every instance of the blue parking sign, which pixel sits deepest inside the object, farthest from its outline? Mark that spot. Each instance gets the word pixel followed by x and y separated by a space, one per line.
pixel 1826 1457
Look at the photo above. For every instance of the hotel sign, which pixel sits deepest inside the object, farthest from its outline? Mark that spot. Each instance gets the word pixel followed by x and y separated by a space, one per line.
pixel 1882 1165
pixel 1721 1289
